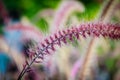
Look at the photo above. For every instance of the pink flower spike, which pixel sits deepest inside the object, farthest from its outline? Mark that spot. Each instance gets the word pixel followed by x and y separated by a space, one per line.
pixel 95 29
pixel 83 34
pixel 71 37
pixel 60 33
pixel 47 51
pixel 52 47
pixel 64 40
pixel 47 42
pixel 64 31
pixel 51 39
pixel 30 55
pixel 56 36
pixel 26 62
pixel 43 45
pixel 68 31
pixel 77 35
pixel 59 43
pixel 36 61
pixel 24 65
pixel 41 57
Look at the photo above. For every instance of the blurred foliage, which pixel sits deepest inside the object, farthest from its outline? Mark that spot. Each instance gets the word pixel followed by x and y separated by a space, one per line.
pixel 115 19
pixel 110 64
pixel 42 25
pixel 1 27
pixel 29 7
pixel 91 10
pixel 112 44
pixel 1 30
pixel 100 50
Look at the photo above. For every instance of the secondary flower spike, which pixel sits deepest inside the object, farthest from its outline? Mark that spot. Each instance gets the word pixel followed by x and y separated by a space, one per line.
pixel 63 12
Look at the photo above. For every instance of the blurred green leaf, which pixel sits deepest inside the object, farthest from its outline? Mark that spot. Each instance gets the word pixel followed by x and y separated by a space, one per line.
pixel 42 25
pixel 29 7
pixel 1 30
pixel 100 50
pixel 112 44
pixel 92 9
pixel 110 63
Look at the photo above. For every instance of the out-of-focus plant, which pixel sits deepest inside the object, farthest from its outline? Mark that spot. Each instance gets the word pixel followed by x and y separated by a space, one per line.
pixel 64 11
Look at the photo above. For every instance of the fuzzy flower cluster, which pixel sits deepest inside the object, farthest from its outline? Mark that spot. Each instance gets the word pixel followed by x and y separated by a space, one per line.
pixel 111 31
pixel 108 30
